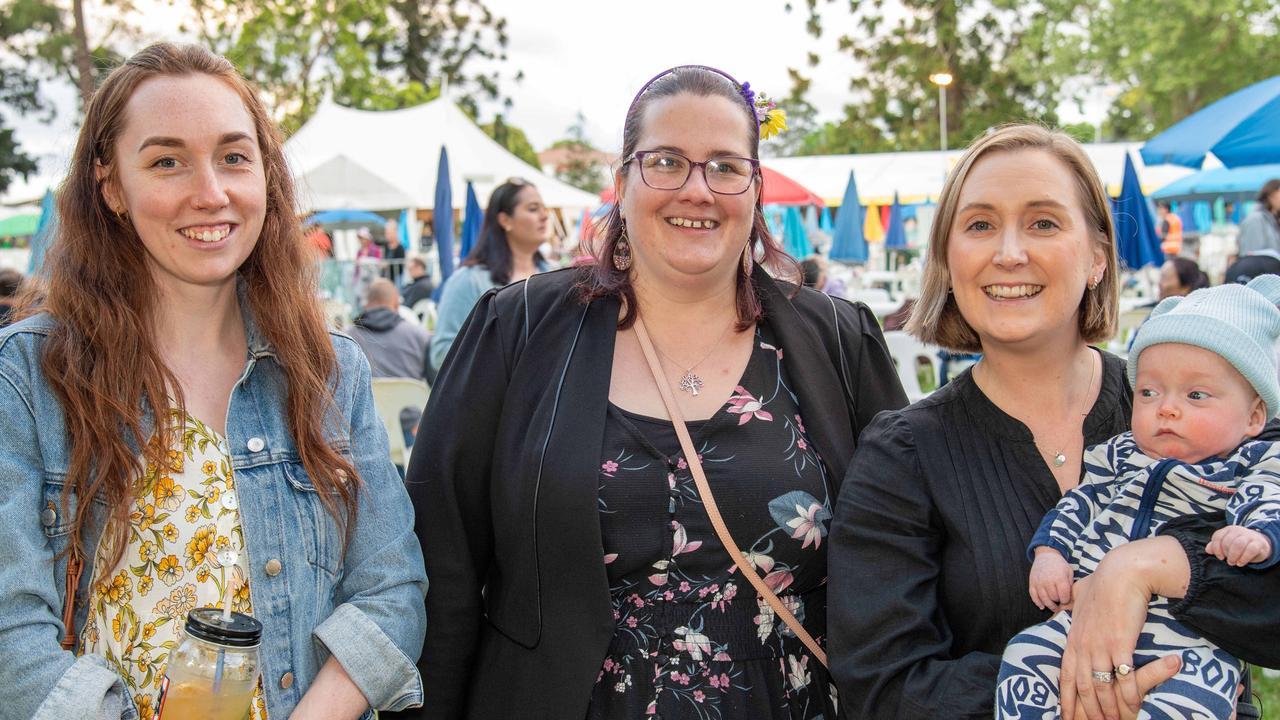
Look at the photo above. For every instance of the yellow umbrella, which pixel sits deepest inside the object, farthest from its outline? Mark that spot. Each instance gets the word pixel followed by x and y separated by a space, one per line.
pixel 872 230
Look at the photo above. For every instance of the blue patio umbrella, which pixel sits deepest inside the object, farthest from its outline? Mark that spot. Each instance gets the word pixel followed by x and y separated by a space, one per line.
pixel 1240 129
pixel 1136 241
pixel 895 236
pixel 794 238
pixel 1235 184
pixel 824 220
pixel 46 228
pixel 847 241
pixel 442 220
pixel 471 219
pixel 403 229
pixel 333 217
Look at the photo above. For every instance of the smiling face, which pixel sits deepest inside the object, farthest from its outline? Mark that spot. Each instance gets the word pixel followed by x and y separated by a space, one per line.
pixel 1020 251
pixel 689 236
pixel 1191 404
pixel 526 225
pixel 188 172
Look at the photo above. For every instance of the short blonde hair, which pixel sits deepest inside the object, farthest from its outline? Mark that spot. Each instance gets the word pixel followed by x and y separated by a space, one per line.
pixel 936 319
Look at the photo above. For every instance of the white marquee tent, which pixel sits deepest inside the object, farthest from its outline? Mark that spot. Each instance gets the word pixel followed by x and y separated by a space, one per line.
pixel 359 159
pixel 918 176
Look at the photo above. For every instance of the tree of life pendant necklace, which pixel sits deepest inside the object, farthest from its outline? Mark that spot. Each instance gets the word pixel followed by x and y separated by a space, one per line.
pixel 690 382
pixel 1060 457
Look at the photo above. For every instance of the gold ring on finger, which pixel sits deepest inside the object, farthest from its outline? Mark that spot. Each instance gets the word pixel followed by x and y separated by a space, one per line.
pixel 1123 669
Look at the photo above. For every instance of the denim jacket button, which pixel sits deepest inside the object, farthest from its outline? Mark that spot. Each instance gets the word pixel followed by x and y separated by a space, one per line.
pixel 286 680
pixel 49 516
pixel 256 444
pixel 273 567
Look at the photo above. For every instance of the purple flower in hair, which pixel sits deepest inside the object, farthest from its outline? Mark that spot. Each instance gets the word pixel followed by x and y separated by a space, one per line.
pixel 748 94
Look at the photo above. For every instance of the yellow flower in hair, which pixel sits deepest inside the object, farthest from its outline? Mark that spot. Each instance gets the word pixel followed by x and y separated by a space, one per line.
pixel 774 123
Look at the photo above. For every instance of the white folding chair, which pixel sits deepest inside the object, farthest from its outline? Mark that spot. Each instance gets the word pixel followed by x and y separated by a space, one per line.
pixel 908 355
pixel 425 309
pixel 390 396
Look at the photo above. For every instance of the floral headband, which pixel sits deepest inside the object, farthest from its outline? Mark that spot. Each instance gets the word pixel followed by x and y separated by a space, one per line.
pixel 770 118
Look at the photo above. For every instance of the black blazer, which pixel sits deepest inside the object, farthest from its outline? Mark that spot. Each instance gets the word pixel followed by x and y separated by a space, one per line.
pixel 503 479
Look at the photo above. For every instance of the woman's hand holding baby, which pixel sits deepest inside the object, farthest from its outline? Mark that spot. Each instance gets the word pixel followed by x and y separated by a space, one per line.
pixel 1050 581
pixel 1235 545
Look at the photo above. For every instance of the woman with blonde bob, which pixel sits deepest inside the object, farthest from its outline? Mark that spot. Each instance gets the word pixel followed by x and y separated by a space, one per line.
pixel 928 559
pixel 178 429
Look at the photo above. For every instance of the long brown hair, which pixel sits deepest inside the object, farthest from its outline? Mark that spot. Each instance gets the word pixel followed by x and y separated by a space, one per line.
pixel 602 279
pixel 101 358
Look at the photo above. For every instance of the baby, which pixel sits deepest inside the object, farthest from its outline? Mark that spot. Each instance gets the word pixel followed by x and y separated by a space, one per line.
pixel 1203 371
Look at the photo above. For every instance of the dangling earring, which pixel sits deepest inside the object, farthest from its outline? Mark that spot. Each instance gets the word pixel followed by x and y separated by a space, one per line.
pixel 622 252
pixel 1093 282
pixel 747 260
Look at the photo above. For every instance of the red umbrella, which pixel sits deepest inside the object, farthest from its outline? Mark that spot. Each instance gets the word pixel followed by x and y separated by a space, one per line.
pixel 778 190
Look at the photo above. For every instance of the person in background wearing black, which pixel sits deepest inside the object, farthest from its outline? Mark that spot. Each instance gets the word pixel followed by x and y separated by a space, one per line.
pixel 420 286
pixel 10 283
pixel 392 252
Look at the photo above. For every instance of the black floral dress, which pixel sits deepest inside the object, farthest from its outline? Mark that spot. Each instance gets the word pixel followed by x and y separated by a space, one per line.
pixel 693 639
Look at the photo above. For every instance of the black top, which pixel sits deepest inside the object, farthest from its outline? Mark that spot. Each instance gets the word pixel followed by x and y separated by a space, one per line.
pixel 504 480
pixel 928 558
pixel 691 639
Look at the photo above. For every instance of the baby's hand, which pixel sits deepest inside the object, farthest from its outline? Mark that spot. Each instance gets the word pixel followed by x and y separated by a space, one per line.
pixel 1236 545
pixel 1050 580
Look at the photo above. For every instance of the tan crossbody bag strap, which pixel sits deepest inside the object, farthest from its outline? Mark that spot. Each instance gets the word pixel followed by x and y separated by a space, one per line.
pixel 709 500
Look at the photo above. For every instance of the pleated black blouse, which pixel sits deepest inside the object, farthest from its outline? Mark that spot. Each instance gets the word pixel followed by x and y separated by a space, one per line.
pixel 928 564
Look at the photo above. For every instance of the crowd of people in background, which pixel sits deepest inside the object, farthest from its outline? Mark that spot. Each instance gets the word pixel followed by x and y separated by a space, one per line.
pixel 679 478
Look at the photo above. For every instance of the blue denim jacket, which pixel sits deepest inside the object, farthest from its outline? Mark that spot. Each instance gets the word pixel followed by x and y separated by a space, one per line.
pixel 365 608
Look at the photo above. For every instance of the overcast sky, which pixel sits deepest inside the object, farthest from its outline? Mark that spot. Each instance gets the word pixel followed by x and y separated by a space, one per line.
pixel 586 56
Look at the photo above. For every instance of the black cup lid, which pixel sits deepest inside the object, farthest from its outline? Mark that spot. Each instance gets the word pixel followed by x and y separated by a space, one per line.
pixel 207 624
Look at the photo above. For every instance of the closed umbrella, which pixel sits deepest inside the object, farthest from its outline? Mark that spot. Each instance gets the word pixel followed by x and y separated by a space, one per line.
pixel 847 241
pixel 795 239
pixel 873 230
pixel 1136 241
pixel 824 220
pixel 895 236
pixel 1240 129
pixel 442 220
pixel 471 219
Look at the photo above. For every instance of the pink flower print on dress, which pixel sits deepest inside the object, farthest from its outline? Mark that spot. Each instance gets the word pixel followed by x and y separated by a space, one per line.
pixel 744 404
pixel 799 423
pixel 694 643
pixel 807 525
pixel 680 540
pixel 610 557
pixel 609 467
pixel 776 350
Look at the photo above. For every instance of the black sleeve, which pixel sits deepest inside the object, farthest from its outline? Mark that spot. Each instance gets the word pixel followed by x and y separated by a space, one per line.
pixel 871 373
pixel 1232 607
pixel 890 642
pixel 448 482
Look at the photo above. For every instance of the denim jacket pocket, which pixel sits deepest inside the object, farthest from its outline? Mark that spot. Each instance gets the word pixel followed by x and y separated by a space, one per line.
pixel 321 538
pixel 56 522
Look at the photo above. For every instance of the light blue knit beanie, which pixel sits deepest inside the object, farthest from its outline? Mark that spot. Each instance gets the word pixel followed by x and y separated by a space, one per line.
pixel 1238 322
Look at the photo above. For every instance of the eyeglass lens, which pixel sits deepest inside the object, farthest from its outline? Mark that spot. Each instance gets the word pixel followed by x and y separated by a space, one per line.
pixel 727 175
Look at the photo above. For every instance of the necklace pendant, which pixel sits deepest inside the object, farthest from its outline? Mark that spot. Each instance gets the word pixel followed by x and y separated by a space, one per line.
pixel 1059 460
pixel 691 383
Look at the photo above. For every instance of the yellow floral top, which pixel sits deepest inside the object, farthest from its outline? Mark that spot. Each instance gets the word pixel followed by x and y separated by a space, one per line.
pixel 185 550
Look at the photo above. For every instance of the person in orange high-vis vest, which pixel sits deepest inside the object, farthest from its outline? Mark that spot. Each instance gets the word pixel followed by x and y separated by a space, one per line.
pixel 1170 231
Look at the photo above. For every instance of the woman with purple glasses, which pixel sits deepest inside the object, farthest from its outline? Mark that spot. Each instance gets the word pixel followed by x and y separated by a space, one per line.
pixel 576 570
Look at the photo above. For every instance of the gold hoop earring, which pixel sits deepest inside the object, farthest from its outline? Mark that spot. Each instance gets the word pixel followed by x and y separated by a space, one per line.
pixel 622 252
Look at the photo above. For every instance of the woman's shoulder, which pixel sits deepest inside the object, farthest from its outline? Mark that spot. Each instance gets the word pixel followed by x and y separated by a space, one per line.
pixel 25 338
pixel 540 294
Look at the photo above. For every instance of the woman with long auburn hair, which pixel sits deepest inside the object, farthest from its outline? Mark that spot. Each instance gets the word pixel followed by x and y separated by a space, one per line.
pixel 178 429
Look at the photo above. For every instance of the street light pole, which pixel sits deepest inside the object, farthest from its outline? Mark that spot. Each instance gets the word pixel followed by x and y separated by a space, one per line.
pixel 942 80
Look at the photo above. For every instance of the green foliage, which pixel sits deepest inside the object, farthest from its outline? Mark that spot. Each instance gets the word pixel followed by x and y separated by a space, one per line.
pixel 367 54
pixel 1169 63
pixel 513 139
pixel 581 170
pixel 13 162
pixel 995 49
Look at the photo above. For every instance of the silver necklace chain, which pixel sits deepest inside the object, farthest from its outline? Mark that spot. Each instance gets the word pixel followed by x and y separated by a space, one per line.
pixel 690 382
pixel 1060 457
